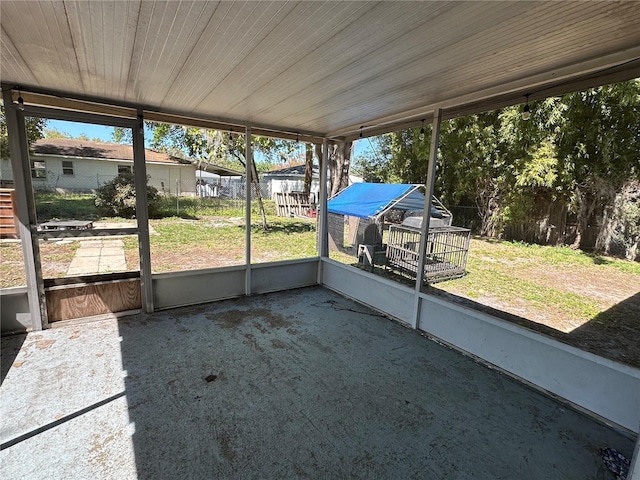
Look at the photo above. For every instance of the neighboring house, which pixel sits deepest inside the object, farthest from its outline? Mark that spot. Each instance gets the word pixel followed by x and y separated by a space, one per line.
pixel 216 181
pixel 291 179
pixel 66 164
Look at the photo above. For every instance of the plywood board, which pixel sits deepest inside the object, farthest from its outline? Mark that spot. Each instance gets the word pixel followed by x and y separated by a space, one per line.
pixel 68 302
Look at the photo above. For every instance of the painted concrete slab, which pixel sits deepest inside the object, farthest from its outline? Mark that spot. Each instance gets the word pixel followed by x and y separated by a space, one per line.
pixel 300 384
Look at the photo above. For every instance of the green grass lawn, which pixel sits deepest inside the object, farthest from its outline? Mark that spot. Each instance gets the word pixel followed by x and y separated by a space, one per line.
pixel 182 244
pixel 575 285
pixel 50 206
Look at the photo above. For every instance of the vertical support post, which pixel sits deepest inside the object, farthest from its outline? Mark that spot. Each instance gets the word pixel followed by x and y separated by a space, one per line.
pixel 323 214
pixel 426 214
pixel 142 214
pixel 248 155
pixel 323 246
pixel 26 211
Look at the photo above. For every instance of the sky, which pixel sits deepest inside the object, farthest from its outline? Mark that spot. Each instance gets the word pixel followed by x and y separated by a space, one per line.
pixel 75 129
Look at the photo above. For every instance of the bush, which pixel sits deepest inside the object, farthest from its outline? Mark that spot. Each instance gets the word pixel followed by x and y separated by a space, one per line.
pixel 117 198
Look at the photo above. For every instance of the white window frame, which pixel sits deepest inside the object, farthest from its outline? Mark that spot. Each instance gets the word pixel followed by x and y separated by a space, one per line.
pixel 38 169
pixel 67 165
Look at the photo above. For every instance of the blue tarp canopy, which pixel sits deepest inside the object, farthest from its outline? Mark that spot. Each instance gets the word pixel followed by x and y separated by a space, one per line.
pixel 367 200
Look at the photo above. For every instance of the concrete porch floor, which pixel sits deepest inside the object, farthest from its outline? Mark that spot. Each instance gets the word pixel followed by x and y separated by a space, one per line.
pixel 299 384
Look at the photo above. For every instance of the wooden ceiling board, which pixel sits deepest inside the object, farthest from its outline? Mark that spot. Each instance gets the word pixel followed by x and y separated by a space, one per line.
pixel 255 57
pixel 102 38
pixel 308 25
pixel 12 64
pixel 173 30
pixel 205 57
pixel 328 70
pixel 181 38
pixel 309 66
pixel 526 55
pixel 39 47
pixel 326 55
pixel 412 63
pixel 425 47
pixel 239 31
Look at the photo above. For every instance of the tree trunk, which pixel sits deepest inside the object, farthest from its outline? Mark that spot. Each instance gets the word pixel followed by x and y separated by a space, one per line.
pixel 488 207
pixel 308 169
pixel 339 162
pixel 256 184
pixel 619 233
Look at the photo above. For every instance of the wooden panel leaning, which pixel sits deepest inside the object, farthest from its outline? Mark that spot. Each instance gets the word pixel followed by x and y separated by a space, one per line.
pixel 68 302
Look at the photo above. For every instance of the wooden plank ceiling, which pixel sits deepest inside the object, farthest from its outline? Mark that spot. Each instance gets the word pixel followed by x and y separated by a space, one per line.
pixel 323 67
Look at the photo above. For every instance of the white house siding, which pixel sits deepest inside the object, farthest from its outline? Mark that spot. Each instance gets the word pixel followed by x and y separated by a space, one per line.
pixel 6 174
pixel 88 174
pixel 292 184
pixel 173 178
pixel 283 184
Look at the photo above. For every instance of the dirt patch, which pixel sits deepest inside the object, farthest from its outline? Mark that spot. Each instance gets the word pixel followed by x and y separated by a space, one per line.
pixel 314 342
pixel 252 342
pixel 194 258
pixel 224 440
pixel 44 344
pixel 607 288
pixel 590 302
pixel 258 326
pixel 235 318
pixel 229 319
pixel 550 316
pixel 278 344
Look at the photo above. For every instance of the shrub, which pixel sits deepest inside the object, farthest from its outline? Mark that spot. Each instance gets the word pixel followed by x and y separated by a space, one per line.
pixel 117 198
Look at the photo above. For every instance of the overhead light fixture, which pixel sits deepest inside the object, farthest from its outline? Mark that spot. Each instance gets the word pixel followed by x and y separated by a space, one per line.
pixel 421 136
pixel 526 111
pixel 20 101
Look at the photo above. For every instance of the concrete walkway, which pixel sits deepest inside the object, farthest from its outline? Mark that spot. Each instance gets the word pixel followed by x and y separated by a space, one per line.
pixel 98 256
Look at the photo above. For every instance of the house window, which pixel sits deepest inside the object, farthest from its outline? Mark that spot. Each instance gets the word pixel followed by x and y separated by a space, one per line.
pixel 124 169
pixel 67 167
pixel 38 169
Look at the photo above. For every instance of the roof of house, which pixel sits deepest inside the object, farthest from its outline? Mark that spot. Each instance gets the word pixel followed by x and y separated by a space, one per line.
pixel 74 147
pixel 293 171
pixel 220 170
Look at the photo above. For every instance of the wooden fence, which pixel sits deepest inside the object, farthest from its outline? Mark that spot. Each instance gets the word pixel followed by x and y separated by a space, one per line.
pixel 293 204
pixel 8 223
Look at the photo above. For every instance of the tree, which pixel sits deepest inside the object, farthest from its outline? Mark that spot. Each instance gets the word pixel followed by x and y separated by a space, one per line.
pixel 213 147
pixel 54 133
pixel 577 153
pixel 339 162
pixel 599 144
pixel 118 197
pixel 35 130
pixel 308 168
